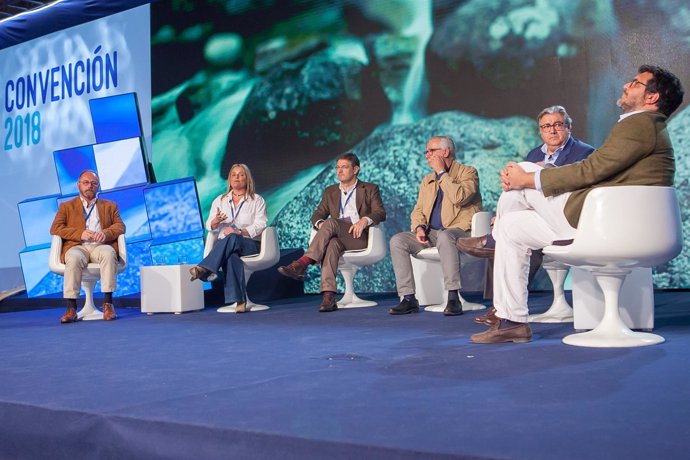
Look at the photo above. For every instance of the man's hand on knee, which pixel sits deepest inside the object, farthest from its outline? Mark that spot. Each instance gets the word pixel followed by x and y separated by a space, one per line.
pixel 420 235
pixel 357 228
pixel 513 177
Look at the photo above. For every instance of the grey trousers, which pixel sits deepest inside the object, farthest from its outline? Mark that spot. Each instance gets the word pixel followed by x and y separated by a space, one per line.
pixel 331 241
pixel 405 244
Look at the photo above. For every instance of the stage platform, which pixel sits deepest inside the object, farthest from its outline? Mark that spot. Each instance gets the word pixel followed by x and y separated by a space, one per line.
pixel 293 383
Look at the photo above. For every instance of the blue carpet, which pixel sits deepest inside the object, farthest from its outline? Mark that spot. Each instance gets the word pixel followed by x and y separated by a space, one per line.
pixel 294 383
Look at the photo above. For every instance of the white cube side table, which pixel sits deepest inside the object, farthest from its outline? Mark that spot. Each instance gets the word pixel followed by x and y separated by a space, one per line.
pixel 167 289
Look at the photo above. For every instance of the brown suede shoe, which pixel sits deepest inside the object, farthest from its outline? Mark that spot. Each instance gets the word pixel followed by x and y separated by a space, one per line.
pixel 489 318
pixel 70 316
pixel 109 312
pixel 328 304
pixel 500 333
pixel 295 270
pixel 241 307
pixel 475 246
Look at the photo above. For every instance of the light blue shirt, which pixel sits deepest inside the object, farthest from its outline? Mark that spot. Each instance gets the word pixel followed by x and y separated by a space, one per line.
pixel 551 159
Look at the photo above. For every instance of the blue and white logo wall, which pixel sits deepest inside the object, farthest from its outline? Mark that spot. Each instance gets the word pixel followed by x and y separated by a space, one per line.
pixel 45 88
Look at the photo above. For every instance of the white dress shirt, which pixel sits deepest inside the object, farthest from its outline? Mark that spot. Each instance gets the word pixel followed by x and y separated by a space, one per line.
pixel 249 214
pixel 93 223
pixel 348 203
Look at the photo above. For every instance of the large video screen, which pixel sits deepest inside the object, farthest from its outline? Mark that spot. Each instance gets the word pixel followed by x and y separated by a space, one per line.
pixel 286 87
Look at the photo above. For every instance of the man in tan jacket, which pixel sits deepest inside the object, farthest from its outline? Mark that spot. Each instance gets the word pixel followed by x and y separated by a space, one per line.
pixel 89 228
pixel 448 198
pixel 540 207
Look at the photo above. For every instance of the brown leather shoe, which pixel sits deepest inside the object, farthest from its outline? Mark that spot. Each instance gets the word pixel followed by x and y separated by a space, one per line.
pixel 328 303
pixel 241 307
pixel 475 246
pixel 500 332
pixel 70 316
pixel 489 318
pixel 109 312
pixel 295 270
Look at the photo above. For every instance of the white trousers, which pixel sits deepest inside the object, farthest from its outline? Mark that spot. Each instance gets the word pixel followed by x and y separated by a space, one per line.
pixel 525 220
pixel 76 260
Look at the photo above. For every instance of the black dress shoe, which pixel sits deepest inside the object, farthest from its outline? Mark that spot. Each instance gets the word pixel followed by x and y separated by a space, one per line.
pixel 328 303
pixel 475 246
pixel 200 273
pixel 453 308
pixel 404 307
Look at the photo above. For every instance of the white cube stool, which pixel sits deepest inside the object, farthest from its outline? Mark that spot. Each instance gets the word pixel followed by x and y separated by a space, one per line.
pixel 167 289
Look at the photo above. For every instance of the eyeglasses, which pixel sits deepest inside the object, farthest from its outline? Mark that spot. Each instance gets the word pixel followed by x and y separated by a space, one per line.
pixel 88 182
pixel 558 126
pixel 634 82
pixel 428 151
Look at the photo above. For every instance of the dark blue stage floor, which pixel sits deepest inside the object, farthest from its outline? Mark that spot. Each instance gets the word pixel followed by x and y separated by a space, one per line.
pixel 292 383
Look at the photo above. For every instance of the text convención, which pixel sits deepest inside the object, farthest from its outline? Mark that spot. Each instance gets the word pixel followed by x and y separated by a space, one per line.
pixel 94 74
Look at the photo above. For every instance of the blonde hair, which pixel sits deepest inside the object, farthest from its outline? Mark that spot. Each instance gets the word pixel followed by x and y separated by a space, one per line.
pixel 251 188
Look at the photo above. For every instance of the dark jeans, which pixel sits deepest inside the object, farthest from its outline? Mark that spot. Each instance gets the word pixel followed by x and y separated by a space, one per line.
pixel 226 254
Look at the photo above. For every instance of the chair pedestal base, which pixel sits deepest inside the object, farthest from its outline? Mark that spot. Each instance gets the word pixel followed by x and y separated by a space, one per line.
pixel 612 331
pixel 251 307
pixel 559 311
pixel 428 280
pixel 350 299
pixel 466 306
pixel 623 338
pixel 89 312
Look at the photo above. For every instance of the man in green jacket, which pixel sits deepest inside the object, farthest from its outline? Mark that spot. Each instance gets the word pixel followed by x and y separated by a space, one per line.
pixel 540 207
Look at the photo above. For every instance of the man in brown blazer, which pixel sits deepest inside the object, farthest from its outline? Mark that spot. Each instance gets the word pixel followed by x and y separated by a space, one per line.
pixel 342 217
pixel 89 228
pixel 540 207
